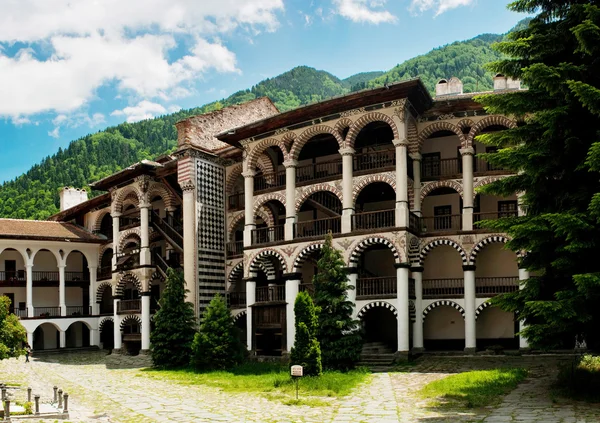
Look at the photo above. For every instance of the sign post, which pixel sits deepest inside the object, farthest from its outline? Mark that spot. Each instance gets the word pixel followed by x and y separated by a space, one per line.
pixel 297 373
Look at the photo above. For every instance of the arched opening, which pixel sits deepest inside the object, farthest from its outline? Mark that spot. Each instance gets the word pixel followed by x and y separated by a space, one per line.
pixel 319 214
pixel 77 335
pixel 444 329
pixel 77 284
pixel 106 302
pixel 496 328
pixel 376 273
pixel 13 276
pixel 440 156
pixel 441 209
pixel 129 290
pixel 45 284
pixel 492 207
pixel 107 335
pixel 443 274
pixel 129 256
pixel 242 328
pixel 480 165
pixel 380 330
pixel 132 335
pixel 375 207
pixel 264 234
pixel 130 217
pixel 309 269
pixel 236 292
pixel 105 269
pixel 271 175
pixel 319 159
pixel 235 245
pixel 46 337
pixel 374 149
pixel 106 226
pixel 236 196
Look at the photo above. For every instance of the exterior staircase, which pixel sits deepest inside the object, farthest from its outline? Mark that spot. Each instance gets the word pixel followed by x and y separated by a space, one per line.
pixel 170 228
pixel 377 356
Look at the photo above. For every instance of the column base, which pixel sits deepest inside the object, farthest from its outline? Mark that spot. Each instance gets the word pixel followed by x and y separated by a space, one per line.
pixel 144 352
pixel 470 350
pixel 417 350
pixel 402 356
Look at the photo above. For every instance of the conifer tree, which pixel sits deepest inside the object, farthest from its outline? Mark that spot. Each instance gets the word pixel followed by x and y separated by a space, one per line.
pixel 217 344
pixel 12 334
pixel 306 351
pixel 555 154
pixel 174 324
pixel 338 334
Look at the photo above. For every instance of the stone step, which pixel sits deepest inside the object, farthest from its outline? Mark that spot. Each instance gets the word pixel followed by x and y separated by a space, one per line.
pixel 377 356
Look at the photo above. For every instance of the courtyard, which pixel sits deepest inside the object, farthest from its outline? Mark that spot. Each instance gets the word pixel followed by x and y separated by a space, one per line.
pixel 101 393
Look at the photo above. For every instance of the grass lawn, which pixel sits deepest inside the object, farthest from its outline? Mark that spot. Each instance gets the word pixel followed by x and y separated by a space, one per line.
pixel 271 379
pixel 473 389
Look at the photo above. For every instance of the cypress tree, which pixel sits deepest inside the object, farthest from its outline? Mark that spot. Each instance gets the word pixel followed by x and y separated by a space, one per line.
pixel 337 333
pixel 555 154
pixel 174 325
pixel 306 351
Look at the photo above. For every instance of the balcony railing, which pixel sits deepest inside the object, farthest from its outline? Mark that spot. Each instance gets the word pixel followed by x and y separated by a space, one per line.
pixel 46 312
pixel 126 222
pixel 414 222
pixel 482 166
pixel 236 299
pixel 307 287
pixel 379 159
pixel 13 276
pixel 19 312
pixel 443 168
pixel 379 287
pixel 318 171
pixel 269 181
pixel 267 294
pixel 77 276
pixel 450 222
pixel 104 272
pixel 443 288
pixel 318 227
pixel 478 217
pixel 235 202
pixel 126 306
pixel 235 249
pixel 43 276
pixel 487 287
pixel 267 235
pixel 374 220
pixel 79 311
pixel 128 260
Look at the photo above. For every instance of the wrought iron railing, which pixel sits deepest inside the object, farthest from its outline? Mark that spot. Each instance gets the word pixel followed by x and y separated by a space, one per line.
pixel 269 181
pixel 486 287
pixel 235 202
pixel 450 222
pixel 372 160
pixel 235 249
pixel 374 219
pixel 46 311
pixel 129 306
pixel 266 294
pixel 267 235
pixel 79 311
pixel 443 288
pixel 431 170
pixel 318 227
pixel 378 287
pixel 236 299
pixel 318 171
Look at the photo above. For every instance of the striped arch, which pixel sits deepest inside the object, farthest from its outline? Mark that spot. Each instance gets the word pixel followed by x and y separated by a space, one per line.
pixel 100 291
pixel 103 249
pixel 465 124
pixel 99 216
pixel 362 183
pixel 481 307
pixel 485 181
pixel 129 320
pixel 240 314
pixel 268 268
pixel 103 322
pixel 311 132
pixel 261 200
pixel 156 276
pixel 312 189
pixel 441 126
pixel 263 255
pixel 304 254
pixel 494 120
pixel 442 241
pixel 264 213
pixel 259 148
pixel 159 190
pixel 127 192
pixel 430 186
pixel 234 173
pixel 123 280
pixel 265 165
pixel 444 303
pixel 127 235
pixel 236 272
pixel 374 304
pixel 481 244
pixel 342 124
pixel 364 121
pixel 367 242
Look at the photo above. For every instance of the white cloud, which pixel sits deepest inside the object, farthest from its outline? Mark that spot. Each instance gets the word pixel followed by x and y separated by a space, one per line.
pixel 88 44
pixel 143 110
pixel 364 11
pixel 55 133
pixel 20 120
pixel 440 6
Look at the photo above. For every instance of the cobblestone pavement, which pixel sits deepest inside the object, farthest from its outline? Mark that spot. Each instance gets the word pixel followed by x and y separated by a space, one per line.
pixel 102 394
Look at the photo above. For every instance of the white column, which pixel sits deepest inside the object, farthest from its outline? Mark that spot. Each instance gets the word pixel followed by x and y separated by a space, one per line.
pixel 402 304
pixel 467 171
pixel 189 243
pixel 523 276
pixel 62 339
pixel 145 321
pixel 29 291
pixel 417 274
pixel 291 292
pixel 248 206
pixel 116 217
pixel 117 335
pixel 250 300
pixel 94 337
pixel 347 154
pixel 290 198
pixel 470 335
pixel 30 338
pixel 145 258
pixel 61 290
pixel 402 209
pixel 351 293
pixel 92 294
pixel 417 182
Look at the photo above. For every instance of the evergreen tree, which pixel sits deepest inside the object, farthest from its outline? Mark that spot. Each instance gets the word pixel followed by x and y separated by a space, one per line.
pixel 337 332
pixel 12 334
pixel 306 351
pixel 555 154
pixel 174 324
pixel 217 345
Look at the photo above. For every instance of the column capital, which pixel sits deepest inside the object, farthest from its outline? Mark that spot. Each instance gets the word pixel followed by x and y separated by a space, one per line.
pixel 187 186
pixel 290 163
pixel 467 151
pixel 115 215
pixel 416 157
pixel 403 142
pixel 249 173
pixel 145 205
pixel 402 265
pixel 347 151
pixel 62 266
pixel 468 267
pixel 294 276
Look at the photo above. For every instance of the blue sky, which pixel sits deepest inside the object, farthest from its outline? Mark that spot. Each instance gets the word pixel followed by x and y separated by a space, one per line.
pixel 71 68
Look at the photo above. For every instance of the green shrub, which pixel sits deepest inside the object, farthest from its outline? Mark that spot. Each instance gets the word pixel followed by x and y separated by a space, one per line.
pixel 581 378
pixel 306 351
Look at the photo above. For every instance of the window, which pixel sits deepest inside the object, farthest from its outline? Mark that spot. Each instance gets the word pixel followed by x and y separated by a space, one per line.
pixel 507 208
pixel 430 165
pixel 442 217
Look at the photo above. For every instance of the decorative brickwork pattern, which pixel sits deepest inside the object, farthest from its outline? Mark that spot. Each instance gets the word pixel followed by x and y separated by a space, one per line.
pixel 130 235
pixel 441 126
pixel 465 124
pixel 98 219
pixel 259 148
pixel 302 194
pixel 311 132
pixel 481 307
pixel 124 280
pixel 261 200
pixel 362 245
pixel 364 121
pixel 412 134
pixel 444 303
pixel 265 165
pixel 494 120
pixel 131 320
pixel 485 181
pixel 486 241
pixel 430 186
pixel 103 250
pixel 103 323
pixel 122 194
pixel 442 241
pixel 236 273
pixel 159 190
pixel 342 124
pixel 374 304
pixel 240 314
pixel 362 182
pixel 233 173
pixel 100 291
pixel 266 254
pixel 304 254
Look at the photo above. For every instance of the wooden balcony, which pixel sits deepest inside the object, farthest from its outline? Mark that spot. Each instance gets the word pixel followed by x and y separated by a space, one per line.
pixel 236 300
pixel 268 294
pixel 488 287
pixel 235 249
pixel 13 276
pixel 374 220
pixel 441 169
pixel 374 160
pixel 377 287
pixel 272 181
pixel 478 217
pixel 445 223
pixel 319 227
pixel 485 287
pixel 316 172
pixel 235 202
pixel 268 235
pixel 482 167
pixel 307 287
pixel 104 272
pixel 129 306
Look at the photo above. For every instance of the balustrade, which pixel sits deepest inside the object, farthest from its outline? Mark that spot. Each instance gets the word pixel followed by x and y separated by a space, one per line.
pixel 449 222
pixel 19 312
pixel 79 311
pixel 126 306
pixel 268 234
pixel 374 219
pixel 318 171
pixel 235 249
pixel 269 181
pixel 482 166
pixel 13 276
pixel 443 168
pixel 487 287
pixel 77 276
pixel 236 299
pixel 44 276
pixel 478 217
pixel 235 202
pixel 443 288
pixel 271 293
pixel 318 227
pixel 46 312
pixel 377 287
pixel 379 159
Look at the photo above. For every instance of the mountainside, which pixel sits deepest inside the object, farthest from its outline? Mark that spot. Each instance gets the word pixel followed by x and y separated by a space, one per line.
pixel 34 195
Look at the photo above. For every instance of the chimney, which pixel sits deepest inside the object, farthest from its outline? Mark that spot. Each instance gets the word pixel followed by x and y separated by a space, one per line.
pixel 71 197
pixel 513 84
pixel 441 88
pixel 452 87
pixel 500 82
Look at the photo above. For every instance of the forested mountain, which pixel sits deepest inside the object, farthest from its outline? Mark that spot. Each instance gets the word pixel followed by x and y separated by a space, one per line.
pixel 34 195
